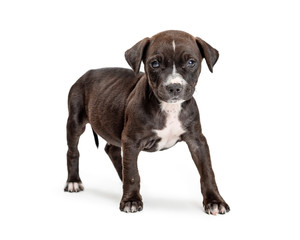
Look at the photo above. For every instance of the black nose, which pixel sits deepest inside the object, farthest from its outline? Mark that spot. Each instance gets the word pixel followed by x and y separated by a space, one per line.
pixel 174 89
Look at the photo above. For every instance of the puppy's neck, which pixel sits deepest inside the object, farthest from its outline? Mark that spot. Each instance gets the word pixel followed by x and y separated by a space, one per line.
pixel 171 108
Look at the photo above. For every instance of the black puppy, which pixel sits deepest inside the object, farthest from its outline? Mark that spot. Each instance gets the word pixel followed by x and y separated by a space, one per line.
pixel 148 111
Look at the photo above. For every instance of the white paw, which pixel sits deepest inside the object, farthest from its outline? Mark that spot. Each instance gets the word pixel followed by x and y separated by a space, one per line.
pixel 217 208
pixel 74 187
pixel 131 207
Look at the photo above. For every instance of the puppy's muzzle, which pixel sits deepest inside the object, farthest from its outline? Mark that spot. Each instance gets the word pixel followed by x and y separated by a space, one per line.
pixel 174 90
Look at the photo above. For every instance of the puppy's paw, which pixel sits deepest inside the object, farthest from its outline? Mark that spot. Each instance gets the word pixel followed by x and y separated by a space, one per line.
pixel 216 207
pixel 131 206
pixel 74 187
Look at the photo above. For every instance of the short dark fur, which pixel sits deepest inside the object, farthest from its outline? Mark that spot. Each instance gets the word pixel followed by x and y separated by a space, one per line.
pixel 123 107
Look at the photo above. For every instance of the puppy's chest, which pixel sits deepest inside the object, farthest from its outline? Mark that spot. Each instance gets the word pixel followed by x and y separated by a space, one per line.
pixel 172 130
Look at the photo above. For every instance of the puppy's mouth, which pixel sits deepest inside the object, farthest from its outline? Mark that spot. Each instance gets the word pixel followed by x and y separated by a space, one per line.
pixel 167 99
pixel 175 100
pixel 161 96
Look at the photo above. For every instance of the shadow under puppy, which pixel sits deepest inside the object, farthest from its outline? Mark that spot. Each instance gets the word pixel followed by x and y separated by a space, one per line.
pixel 151 111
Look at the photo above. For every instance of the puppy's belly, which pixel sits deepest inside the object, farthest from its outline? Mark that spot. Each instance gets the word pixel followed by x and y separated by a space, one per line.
pixel 108 125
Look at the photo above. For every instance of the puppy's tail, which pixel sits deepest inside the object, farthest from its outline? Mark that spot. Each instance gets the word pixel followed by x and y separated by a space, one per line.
pixel 96 138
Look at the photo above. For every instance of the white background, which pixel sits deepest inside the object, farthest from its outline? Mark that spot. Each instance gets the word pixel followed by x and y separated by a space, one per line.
pixel 249 112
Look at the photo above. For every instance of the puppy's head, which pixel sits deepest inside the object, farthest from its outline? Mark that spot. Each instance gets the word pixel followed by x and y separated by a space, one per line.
pixel 172 61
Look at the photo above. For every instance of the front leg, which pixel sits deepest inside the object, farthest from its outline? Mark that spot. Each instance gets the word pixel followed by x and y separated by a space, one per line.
pixel 131 200
pixel 212 201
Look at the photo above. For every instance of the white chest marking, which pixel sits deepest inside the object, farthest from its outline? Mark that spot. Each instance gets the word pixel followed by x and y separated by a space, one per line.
pixel 173 129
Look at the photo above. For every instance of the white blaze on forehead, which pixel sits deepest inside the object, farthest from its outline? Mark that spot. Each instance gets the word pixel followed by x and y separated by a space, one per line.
pixel 174 71
pixel 175 77
pixel 174 46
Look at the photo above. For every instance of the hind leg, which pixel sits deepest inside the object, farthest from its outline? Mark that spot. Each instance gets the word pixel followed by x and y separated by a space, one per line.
pixel 115 155
pixel 75 127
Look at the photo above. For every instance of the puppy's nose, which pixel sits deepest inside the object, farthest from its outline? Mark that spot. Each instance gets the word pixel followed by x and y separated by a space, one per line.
pixel 174 89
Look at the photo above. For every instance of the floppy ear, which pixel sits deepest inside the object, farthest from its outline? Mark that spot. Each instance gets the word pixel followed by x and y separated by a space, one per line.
pixel 134 55
pixel 210 54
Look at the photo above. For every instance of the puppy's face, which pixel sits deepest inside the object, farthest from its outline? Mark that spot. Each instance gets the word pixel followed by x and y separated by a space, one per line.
pixel 172 63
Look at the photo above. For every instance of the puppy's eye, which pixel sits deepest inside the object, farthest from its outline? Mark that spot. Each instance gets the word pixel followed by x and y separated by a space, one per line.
pixel 154 64
pixel 191 63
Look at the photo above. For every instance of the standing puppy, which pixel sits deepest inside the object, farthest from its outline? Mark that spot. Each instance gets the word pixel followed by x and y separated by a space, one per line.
pixel 149 111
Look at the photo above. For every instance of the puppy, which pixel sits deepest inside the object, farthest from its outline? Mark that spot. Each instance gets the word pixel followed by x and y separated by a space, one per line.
pixel 152 111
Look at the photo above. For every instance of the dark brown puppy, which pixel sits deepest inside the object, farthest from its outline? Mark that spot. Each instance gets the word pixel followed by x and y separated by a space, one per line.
pixel 149 111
